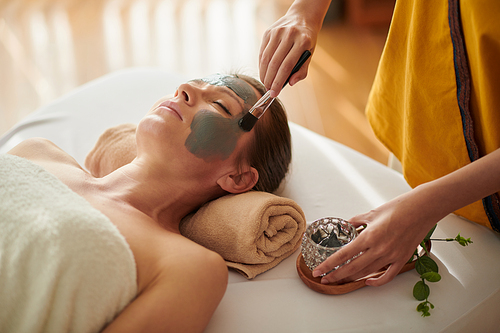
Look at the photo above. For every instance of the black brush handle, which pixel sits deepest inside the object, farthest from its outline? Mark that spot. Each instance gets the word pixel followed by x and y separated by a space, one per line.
pixel 302 60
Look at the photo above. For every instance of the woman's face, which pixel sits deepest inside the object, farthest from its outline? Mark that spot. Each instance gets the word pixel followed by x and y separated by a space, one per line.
pixel 201 119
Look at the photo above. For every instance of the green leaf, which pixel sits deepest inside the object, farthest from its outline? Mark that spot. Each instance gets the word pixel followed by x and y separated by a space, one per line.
pixel 462 241
pixel 426 264
pixel 428 270
pixel 422 244
pixel 431 276
pixel 421 291
pixel 414 255
pixel 424 308
pixel 426 313
pixel 429 234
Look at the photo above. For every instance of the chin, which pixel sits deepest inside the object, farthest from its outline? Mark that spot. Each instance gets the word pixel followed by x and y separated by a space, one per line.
pixel 153 124
pixel 152 129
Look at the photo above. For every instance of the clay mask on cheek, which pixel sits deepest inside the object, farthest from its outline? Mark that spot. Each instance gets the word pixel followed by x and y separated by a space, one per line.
pixel 212 136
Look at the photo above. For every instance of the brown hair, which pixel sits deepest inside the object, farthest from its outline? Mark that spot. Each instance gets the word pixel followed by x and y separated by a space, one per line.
pixel 270 152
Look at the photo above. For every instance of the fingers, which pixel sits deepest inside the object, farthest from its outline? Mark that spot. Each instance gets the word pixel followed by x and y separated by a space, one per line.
pixel 282 61
pixel 346 253
pixel 285 69
pixel 372 259
pixel 281 48
pixel 389 274
pixel 358 220
pixel 361 267
pixel 300 74
pixel 267 50
pixel 351 273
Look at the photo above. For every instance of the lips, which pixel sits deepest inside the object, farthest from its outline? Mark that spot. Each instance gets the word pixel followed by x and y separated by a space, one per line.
pixel 171 107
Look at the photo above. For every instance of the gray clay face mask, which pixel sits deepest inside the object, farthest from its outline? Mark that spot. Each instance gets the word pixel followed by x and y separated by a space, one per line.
pixel 240 87
pixel 212 135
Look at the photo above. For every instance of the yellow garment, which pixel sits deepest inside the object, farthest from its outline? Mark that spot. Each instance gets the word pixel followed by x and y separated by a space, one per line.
pixel 413 106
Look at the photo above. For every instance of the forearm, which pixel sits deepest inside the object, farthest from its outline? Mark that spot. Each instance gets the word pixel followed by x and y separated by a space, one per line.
pixel 464 186
pixel 313 15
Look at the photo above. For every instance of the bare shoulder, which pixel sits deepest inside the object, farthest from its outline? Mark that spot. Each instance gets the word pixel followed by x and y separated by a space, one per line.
pixel 164 257
pixel 201 259
pixel 42 150
pixel 184 295
pixel 199 270
pixel 205 268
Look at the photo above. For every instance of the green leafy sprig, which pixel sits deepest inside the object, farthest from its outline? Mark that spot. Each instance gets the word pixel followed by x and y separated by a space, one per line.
pixel 429 271
pixel 459 239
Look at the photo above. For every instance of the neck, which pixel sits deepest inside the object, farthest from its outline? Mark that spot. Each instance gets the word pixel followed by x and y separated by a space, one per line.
pixel 164 198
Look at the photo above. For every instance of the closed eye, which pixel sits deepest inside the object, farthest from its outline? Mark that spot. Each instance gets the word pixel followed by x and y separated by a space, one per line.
pixel 226 110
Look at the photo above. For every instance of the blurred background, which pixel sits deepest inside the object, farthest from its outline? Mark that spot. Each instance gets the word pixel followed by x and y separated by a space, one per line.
pixel 49 47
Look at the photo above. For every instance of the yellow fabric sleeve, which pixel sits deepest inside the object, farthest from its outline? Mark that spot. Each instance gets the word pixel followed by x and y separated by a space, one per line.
pixel 413 106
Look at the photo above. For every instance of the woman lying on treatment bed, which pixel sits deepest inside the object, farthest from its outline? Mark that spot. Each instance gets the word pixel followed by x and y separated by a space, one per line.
pixel 189 150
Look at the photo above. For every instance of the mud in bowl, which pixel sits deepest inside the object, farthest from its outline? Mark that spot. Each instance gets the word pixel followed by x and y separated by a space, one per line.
pixel 323 238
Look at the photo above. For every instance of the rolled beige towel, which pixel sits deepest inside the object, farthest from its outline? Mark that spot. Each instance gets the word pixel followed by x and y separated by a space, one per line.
pixel 252 231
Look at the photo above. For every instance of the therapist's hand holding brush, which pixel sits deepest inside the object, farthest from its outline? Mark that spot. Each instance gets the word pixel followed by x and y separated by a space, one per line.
pixel 285 41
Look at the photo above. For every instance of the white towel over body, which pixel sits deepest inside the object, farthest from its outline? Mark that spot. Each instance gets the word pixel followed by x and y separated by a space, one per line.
pixel 64 267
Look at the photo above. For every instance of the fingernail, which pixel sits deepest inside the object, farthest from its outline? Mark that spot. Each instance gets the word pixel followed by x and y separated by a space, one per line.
pixel 316 273
pixel 273 94
pixel 324 281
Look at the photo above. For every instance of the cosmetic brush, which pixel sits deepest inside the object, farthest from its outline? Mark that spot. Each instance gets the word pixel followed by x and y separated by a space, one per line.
pixel 248 121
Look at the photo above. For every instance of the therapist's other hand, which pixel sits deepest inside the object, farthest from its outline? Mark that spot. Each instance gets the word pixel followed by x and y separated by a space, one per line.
pixel 392 234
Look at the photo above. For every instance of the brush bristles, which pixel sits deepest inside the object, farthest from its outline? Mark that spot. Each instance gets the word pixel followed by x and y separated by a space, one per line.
pixel 247 122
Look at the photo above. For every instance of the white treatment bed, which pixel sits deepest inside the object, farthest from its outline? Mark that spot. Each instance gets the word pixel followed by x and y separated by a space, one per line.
pixel 326 179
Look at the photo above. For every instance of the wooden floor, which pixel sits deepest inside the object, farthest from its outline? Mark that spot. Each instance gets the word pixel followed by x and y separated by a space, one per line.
pixel 49 47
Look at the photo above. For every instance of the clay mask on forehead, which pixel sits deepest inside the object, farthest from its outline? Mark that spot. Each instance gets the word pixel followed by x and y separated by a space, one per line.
pixel 240 87
pixel 212 136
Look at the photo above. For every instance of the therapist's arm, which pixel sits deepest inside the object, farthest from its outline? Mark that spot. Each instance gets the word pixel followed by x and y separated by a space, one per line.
pixel 396 228
pixel 285 41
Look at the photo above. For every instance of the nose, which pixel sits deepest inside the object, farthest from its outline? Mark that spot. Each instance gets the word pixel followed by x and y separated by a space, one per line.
pixel 187 94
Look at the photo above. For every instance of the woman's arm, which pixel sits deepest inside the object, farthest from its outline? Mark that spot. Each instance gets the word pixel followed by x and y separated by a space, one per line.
pixel 182 298
pixel 396 228
pixel 285 41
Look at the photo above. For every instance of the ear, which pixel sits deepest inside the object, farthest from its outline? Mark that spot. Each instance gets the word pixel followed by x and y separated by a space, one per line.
pixel 239 182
